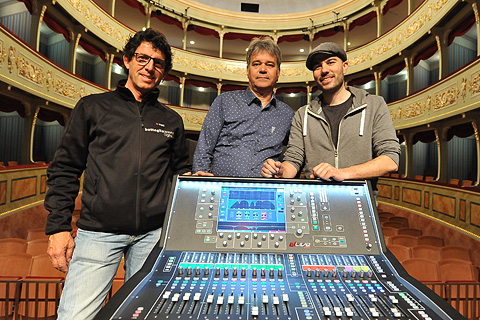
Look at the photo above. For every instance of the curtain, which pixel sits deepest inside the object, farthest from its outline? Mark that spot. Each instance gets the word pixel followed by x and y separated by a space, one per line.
pixel 135 4
pixel 328 33
pixel 291 90
pixel 203 84
pixel 92 49
pixel 363 20
pixel 361 81
pixel 424 136
pixel 56 26
pixel 49 116
pixel 460 130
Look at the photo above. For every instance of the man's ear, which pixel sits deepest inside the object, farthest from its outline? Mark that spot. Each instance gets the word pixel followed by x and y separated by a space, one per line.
pixel 345 67
pixel 126 62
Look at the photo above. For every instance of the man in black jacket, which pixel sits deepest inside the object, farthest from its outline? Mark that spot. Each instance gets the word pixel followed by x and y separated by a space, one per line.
pixel 129 146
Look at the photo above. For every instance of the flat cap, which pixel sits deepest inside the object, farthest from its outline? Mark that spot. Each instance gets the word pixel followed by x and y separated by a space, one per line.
pixel 327 49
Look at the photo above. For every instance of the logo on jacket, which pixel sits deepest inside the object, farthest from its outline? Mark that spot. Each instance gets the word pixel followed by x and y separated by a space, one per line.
pixel 166 133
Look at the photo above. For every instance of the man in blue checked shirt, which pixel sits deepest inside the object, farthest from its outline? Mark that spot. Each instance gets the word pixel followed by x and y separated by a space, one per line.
pixel 244 128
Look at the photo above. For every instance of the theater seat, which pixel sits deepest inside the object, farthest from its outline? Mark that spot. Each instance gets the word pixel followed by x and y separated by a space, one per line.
pixel 12 245
pixel 455 252
pixel 37 233
pixel 400 252
pixel 410 231
pixel 15 265
pixel 401 220
pixel 422 269
pixel 404 240
pixel 431 241
pixel 389 231
pixel 37 247
pixel 427 252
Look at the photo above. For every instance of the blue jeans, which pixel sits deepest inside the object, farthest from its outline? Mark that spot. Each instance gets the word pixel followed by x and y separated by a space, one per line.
pixel 95 261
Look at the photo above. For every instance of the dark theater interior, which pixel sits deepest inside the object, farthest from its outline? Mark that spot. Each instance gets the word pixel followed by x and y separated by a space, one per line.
pixel 322 250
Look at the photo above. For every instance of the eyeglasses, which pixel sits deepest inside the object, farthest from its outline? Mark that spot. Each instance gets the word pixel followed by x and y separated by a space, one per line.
pixel 143 60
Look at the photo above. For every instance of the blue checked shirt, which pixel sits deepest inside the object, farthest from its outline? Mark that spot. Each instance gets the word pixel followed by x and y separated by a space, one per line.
pixel 238 135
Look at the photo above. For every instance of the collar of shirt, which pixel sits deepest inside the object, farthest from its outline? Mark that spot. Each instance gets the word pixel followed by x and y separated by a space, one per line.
pixel 250 98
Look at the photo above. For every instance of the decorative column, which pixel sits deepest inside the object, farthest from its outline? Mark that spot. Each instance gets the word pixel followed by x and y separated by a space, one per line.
pixel 219 87
pixel 148 12
pixel 410 75
pixel 182 90
pixel 220 50
pixel 185 24
pixel 346 25
pixel 378 82
pixel 26 156
pixel 475 132
pixel 409 155
pixel 411 6
pixel 378 9
pixel 442 147
pixel 477 25
pixel 38 11
pixel 443 54
pixel 111 7
pixel 108 69
pixel 309 93
pixel 73 45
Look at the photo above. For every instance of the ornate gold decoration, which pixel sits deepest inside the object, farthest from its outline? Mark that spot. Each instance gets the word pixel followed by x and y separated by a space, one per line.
pixel 3 55
pixel 49 79
pixel 474 85
pixel 11 58
pixel 400 36
pixel 64 88
pixel 447 98
pixel 192 119
pixel 30 71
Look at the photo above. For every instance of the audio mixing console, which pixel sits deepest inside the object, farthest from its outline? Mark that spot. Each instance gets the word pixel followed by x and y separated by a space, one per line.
pixel 235 248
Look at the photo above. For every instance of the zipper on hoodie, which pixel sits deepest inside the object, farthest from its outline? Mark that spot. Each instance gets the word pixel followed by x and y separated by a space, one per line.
pixel 142 126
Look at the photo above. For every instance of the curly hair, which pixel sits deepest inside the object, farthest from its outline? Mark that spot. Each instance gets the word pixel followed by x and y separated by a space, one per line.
pixel 264 44
pixel 156 38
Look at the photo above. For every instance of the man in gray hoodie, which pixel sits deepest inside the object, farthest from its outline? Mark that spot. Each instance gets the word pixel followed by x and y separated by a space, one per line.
pixel 344 134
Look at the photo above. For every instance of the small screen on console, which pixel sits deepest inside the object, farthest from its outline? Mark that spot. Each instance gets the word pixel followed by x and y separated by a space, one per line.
pixel 252 209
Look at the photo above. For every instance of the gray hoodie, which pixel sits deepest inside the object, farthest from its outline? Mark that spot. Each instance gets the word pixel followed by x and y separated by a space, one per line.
pixel 365 132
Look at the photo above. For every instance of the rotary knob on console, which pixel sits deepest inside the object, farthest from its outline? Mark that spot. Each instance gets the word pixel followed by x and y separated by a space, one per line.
pixel 243 272
pixel 299 232
pixel 254 272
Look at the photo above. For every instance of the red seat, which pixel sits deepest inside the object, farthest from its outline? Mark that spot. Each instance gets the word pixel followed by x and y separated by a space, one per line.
pixel 37 233
pixel 426 252
pixel 15 265
pixel 389 231
pixel 400 252
pixel 37 247
pixel 392 224
pixel 410 231
pixel 401 220
pixel 455 252
pixel 404 240
pixel 422 269
pixel 12 245
pixel 431 241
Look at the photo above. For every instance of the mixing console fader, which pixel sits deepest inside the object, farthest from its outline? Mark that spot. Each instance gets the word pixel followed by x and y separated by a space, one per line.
pixel 235 248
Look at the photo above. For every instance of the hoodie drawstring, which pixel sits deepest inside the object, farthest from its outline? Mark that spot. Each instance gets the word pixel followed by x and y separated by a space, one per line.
pixel 305 122
pixel 362 123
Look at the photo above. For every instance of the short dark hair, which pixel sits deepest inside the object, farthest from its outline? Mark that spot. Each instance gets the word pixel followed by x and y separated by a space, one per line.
pixel 156 38
pixel 264 44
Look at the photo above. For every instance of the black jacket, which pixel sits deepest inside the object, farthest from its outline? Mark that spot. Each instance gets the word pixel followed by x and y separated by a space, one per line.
pixel 129 150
